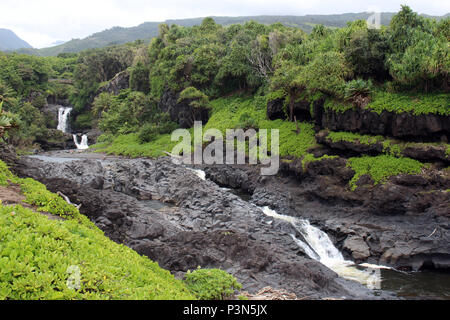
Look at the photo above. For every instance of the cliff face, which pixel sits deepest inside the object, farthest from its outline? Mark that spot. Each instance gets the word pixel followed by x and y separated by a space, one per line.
pixel 181 113
pixel 120 81
pixel 429 127
pixel 402 125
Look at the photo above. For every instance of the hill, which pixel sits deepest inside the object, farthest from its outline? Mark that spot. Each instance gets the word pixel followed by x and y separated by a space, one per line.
pixel 10 41
pixel 148 30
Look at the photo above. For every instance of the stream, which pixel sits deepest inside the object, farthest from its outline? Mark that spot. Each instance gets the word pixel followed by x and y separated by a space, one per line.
pixel 316 244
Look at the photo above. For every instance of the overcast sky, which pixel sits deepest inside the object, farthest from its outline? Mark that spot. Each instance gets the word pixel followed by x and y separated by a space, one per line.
pixel 42 22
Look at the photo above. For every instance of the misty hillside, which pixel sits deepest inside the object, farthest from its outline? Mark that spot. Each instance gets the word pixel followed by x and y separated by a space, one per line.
pixel 10 41
pixel 148 30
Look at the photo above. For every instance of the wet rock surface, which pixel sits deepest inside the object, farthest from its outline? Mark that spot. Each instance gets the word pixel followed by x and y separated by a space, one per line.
pixel 404 223
pixel 55 140
pixel 198 223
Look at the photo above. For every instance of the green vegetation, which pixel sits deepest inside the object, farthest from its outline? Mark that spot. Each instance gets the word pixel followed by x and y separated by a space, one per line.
pixel 211 284
pixel 353 137
pixel 308 158
pixel 226 113
pixel 414 103
pixel 387 69
pixel 37 253
pixel 380 168
pixel 130 145
pixel 25 84
pixel 390 146
pixel 232 112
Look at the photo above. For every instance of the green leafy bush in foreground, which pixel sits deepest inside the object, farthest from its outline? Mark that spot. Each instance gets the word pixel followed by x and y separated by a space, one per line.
pixel 211 284
pixel 38 255
pixel 380 168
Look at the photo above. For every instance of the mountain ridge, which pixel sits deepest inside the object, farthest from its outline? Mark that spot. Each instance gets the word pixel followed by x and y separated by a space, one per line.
pixel 147 30
pixel 10 41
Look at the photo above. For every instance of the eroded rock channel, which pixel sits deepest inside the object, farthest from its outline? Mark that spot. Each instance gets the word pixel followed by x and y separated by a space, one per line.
pixel 168 213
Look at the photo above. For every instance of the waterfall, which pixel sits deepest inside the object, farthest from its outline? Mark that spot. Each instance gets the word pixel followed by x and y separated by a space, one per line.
pixel 63 116
pixel 199 173
pixel 319 247
pixel 84 142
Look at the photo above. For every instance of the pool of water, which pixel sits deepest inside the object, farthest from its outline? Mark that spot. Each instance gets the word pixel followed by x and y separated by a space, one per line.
pixel 54 159
pixel 427 284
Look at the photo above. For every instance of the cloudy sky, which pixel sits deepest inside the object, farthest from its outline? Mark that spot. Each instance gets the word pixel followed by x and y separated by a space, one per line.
pixel 42 22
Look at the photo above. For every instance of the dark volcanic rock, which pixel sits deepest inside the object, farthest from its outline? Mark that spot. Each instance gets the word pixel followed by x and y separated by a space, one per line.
pixel 277 110
pixel 181 113
pixel 403 125
pixel 395 220
pixel 194 226
pixel 56 140
pixel 120 81
pixel 420 151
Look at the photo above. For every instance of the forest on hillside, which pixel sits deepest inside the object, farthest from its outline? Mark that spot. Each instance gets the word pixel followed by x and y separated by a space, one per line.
pixel 363 119
pixel 403 67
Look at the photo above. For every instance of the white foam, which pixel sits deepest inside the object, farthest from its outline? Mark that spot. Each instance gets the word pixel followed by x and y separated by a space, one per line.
pixel 319 247
pixel 84 142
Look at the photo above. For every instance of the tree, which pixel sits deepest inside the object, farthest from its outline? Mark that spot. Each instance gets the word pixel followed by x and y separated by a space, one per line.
pixel 197 100
pixel 326 73
pixel 428 59
pixel 401 28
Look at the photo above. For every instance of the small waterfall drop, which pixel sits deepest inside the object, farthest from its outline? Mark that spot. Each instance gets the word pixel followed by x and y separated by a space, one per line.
pixel 84 142
pixel 319 247
pixel 63 117
pixel 199 173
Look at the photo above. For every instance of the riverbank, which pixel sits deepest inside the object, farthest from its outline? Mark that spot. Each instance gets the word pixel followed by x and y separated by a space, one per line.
pixel 161 216
pixel 50 251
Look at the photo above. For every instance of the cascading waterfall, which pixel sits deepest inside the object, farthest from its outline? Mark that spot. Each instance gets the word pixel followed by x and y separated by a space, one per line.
pixel 63 117
pixel 63 120
pixel 84 142
pixel 319 247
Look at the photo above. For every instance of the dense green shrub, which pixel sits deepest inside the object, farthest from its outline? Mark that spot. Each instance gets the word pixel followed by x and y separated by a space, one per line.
pixel 151 131
pixel 358 88
pixel 380 168
pixel 417 104
pixel 37 253
pixel 139 78
pixel 211 284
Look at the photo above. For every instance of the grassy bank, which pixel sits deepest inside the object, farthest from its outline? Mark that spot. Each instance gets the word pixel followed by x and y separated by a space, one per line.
pixel 226 113
pixel 38 255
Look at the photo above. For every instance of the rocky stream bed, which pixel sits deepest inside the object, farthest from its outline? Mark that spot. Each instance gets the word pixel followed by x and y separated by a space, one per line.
pixel 173 215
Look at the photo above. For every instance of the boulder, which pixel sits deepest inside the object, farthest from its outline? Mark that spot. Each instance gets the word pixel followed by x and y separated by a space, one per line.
pixel 181 113
pixel 56 140
pixel 120 81
pixel 358 247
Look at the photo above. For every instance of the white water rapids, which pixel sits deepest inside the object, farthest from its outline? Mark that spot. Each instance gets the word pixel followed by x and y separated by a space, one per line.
pixel 319 247
pixel 83 145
